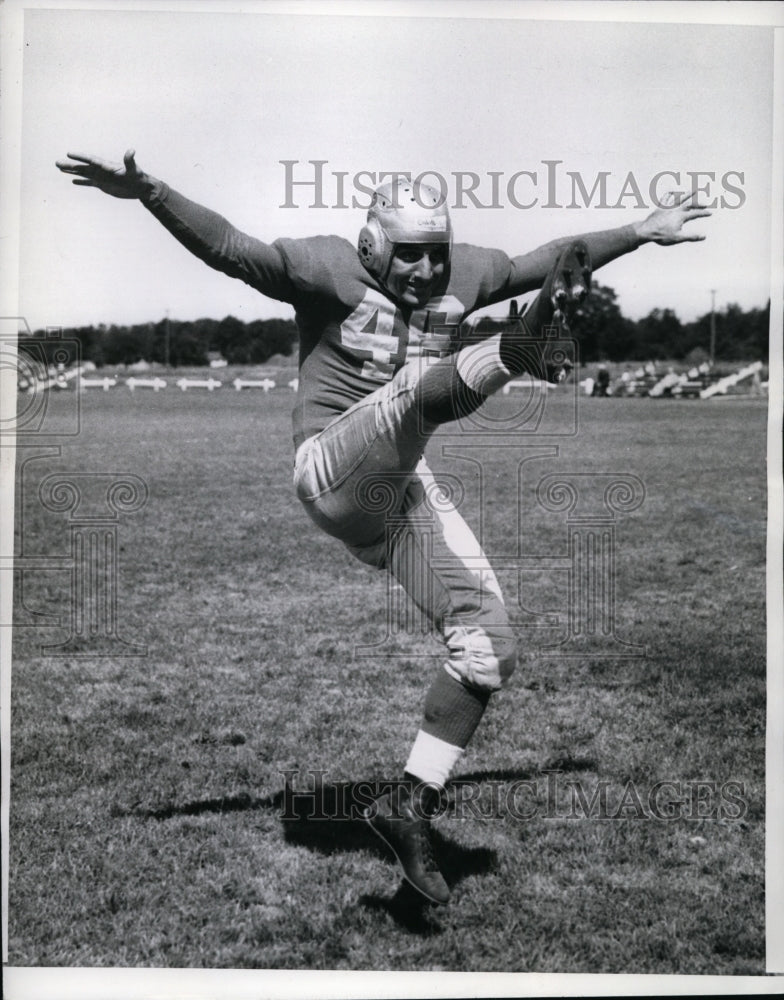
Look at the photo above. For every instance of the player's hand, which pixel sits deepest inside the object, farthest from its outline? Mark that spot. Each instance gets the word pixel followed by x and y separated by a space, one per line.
pixel 119 180
pixel 665 225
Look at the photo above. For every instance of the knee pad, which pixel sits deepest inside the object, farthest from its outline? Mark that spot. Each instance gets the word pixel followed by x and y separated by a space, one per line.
pixel 482 657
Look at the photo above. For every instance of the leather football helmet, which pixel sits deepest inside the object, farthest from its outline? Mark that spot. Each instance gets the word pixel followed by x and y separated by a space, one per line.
pixel 402 212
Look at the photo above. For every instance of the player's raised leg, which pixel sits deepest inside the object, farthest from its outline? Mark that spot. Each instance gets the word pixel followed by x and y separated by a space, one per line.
pixel 456 387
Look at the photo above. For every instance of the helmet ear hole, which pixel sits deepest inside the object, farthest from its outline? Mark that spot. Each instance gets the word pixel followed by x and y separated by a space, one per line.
pixel 373 249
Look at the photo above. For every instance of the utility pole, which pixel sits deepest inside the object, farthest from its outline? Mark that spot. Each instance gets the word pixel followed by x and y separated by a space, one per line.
pixel 166 342
pixel 713 326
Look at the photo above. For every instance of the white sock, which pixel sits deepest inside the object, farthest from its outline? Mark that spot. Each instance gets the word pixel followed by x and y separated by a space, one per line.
pixel 431 759
pixel 481 368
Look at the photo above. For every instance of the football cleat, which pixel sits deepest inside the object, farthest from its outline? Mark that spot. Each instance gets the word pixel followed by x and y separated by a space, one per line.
pixel 394 819
pixel 565 289
pixel 570 282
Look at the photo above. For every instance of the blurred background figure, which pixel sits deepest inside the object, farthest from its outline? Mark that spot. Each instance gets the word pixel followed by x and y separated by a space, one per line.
pixel 602 384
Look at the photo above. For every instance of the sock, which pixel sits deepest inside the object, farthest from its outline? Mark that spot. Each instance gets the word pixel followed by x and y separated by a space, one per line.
pixel 431 760
pixel 452 713
pixel 443 395
pixel 452 710
pixel 482 367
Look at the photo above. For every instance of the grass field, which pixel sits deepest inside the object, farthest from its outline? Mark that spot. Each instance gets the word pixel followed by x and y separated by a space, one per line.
pixel 147 796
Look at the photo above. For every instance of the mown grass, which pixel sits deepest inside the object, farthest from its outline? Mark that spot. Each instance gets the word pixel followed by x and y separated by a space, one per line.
pixel 147 794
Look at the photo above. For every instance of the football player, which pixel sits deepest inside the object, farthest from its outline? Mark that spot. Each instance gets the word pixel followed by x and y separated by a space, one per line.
pixel 382 365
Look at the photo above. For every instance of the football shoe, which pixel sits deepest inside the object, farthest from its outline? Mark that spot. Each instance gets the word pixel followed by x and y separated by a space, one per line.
pixel 395 819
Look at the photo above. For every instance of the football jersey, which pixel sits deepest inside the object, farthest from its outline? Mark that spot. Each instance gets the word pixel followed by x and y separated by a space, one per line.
pixel 353 336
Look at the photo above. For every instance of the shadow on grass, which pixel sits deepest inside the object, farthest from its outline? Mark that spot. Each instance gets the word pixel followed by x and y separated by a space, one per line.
pixel 328 834
pixel 223 804
pixel 565 762
pixel 408 909
pixel 332 823
pixel 341 802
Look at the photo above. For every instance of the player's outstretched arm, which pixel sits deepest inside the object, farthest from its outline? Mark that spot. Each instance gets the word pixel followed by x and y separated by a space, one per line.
pixel 123 180
pixel 205 233
pixel 663 226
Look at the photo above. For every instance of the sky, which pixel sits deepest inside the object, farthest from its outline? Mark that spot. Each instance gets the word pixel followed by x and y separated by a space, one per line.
pixel 214 102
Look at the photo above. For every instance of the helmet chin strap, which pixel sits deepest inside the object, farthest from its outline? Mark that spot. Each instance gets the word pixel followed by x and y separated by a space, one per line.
pixel 382 278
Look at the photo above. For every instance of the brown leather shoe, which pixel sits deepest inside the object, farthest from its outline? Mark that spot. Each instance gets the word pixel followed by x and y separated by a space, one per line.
pixel 407 834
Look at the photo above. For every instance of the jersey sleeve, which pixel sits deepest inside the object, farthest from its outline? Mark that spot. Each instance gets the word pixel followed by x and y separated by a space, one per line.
pixel 215 241
pixel 528 271
pixel 476 275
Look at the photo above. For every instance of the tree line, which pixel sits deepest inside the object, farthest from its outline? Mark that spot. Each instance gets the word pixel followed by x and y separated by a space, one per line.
pixel 604 334
pixel 174 343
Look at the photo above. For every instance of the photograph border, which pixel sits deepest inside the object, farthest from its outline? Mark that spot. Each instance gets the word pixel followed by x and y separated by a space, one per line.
pixel 86 984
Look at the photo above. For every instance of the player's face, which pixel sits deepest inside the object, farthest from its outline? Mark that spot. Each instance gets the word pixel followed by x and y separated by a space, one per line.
pixel 415 271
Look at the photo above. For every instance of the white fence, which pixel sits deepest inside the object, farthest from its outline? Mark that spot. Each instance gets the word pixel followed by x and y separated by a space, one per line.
pixel 145 383
pixel 670 385
pixel 253 383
